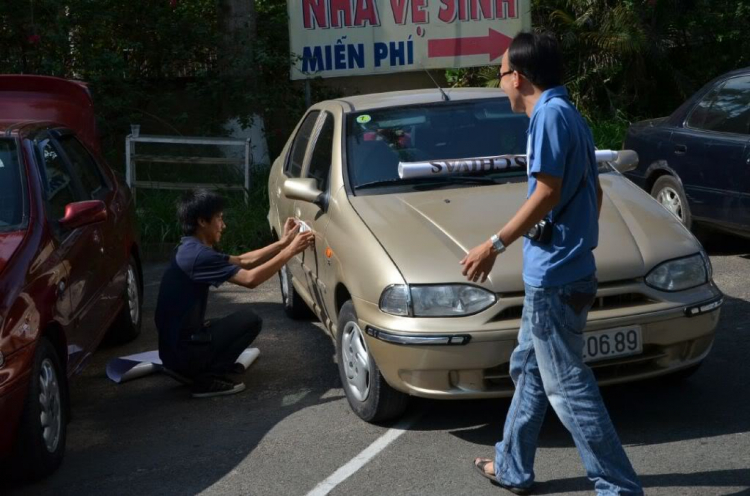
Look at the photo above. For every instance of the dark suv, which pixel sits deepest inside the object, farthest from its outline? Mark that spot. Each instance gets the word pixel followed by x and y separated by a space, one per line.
pixel 69 261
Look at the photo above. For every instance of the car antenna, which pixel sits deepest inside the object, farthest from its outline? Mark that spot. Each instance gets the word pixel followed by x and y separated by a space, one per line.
pixel 445 95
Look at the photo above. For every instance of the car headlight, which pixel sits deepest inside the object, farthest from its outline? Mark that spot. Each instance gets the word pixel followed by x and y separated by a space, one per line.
pixel 680 274
pixel 451 300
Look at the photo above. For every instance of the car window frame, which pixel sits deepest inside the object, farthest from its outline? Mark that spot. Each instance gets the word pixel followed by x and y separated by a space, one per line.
pixel 25 194
pixel 107 185
pixel 313 143
pixel 49 135
pixel 306 156
pixel 715 88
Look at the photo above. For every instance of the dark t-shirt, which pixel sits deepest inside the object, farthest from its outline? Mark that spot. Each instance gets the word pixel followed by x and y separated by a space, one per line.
pixel 181 306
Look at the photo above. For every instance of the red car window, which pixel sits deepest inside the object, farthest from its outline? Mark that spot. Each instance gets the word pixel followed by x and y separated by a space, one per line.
pixel 57 181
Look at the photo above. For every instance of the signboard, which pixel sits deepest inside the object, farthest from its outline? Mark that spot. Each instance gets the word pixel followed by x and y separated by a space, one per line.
pixel 334 38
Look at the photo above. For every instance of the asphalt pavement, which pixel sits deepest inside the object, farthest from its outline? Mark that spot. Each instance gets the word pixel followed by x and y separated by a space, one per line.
pixel 292 430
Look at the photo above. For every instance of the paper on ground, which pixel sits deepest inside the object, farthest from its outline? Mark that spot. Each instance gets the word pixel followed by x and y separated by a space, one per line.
pixel 479 164
pixel 247 357
pixel 131 367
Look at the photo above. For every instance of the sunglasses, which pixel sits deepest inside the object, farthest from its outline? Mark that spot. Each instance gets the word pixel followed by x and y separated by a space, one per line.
pixel 501 75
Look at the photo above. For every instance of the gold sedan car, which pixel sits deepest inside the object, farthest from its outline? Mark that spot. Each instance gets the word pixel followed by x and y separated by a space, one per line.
pixel 384 274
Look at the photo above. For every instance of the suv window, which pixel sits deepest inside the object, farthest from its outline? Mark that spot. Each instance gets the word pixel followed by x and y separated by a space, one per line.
pixel 322 156
pixel 725 109
pixel 299 146
pixel 84 167
pixel 58 184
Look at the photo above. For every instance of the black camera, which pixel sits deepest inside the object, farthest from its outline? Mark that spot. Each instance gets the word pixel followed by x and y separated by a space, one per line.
pixel 541 232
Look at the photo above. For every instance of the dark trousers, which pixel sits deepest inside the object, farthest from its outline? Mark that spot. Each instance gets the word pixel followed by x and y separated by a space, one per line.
pixel 229 337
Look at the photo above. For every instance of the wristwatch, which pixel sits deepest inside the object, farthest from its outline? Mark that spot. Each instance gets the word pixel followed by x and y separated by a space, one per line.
pixel 497 243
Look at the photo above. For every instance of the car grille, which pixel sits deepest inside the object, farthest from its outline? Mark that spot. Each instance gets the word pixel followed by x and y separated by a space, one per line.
pixel 601 303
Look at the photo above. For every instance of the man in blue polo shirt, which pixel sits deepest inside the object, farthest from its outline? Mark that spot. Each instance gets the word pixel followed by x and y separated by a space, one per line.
pixel 560 221
pixel 203 351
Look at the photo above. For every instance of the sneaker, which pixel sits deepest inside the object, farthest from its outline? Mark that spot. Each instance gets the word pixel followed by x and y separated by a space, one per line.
pixel 216 386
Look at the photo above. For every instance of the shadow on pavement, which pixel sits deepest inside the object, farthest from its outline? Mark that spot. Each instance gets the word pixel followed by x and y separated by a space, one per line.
pixel 717 478
pixel 718 243
pixel 715 401
pixel 150 435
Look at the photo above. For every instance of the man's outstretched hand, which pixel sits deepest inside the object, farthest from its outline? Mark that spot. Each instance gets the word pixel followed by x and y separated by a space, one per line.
pixel 291 228
pixel 479 262
pixel 301 242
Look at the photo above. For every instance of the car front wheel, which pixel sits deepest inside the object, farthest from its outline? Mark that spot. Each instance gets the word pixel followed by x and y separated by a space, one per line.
pixel 668 191
pixel 369 395
pixel 40 445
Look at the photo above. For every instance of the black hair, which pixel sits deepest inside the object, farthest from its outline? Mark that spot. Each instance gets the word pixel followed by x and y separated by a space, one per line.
pixel 198 204
pixel 538 57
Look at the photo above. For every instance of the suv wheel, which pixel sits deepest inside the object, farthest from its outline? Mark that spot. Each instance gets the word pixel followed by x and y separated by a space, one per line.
pixel 669 193
pixel 127 324
pixel 369 396
pixel 40 445
pixel 294 306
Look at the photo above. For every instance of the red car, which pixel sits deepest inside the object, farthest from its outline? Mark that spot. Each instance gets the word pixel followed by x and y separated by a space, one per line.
pixel 70 267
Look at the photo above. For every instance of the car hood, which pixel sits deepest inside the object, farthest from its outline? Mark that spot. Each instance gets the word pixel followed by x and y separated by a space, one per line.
pixel 427 233
pixel 9 243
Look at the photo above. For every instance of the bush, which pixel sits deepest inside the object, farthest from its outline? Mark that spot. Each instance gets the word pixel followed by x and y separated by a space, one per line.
pixel 247 224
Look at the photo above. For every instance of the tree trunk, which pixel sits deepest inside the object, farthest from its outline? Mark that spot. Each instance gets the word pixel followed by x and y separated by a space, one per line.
pixel 236 61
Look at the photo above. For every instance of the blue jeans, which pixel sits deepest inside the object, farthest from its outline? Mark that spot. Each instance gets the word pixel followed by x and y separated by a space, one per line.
pixel 547 368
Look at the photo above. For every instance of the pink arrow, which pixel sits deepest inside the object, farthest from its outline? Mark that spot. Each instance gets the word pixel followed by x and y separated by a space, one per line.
pixel 494 45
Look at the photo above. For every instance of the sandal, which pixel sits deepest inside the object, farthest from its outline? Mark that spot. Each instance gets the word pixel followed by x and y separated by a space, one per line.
pixel 479 465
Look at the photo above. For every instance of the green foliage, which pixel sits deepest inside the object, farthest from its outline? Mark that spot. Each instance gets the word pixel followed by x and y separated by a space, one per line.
pixel 609 133
pixel 159 63
pixel 247 226
pixel 628 59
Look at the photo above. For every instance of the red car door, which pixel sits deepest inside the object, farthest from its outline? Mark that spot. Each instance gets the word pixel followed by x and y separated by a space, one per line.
pixel 79 249
pixel 113 258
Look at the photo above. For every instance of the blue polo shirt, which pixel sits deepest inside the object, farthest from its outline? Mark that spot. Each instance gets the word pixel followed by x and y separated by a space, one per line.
pixel 560 144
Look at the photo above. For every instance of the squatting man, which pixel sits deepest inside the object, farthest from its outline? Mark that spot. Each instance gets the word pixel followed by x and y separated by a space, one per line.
pixel 203 352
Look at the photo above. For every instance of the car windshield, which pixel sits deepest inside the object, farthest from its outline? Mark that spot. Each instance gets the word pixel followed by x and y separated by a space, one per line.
pixel 12 194
pixel 378 140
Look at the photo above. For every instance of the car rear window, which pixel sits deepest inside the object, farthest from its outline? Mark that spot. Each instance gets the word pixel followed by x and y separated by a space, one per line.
pixel 378 140
pixel 12 191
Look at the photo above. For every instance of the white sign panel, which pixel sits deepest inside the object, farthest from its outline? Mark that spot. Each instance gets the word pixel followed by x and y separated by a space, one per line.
pixel 333 38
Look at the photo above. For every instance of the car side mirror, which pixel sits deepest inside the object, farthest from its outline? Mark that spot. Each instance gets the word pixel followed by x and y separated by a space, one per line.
pixel 83 213
pixel 627 160
pixel 304 189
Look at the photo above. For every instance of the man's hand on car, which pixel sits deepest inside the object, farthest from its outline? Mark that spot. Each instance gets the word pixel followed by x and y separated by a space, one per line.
pixel 291 228
pixel 479 262
pixel 301 242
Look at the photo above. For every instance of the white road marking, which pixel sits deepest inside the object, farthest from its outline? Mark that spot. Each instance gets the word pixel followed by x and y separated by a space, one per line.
pixel 363 458
pixel 291 399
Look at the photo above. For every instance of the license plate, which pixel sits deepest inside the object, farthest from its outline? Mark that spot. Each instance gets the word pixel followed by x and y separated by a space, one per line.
pixel 612 343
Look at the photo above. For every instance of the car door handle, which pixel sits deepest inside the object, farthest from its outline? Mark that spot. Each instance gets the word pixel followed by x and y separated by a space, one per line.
pixel 680 149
